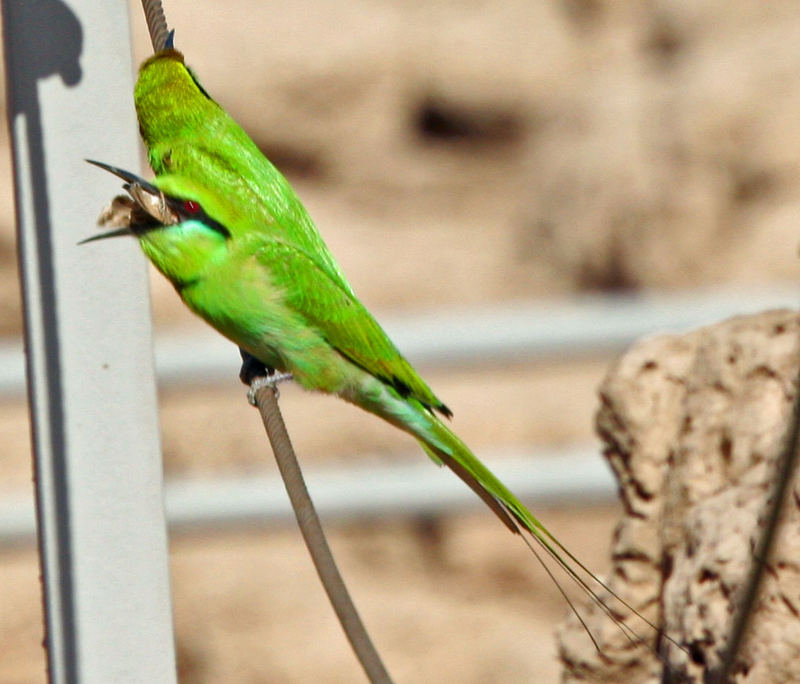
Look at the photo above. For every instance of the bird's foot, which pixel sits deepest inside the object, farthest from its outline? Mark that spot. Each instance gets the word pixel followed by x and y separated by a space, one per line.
pixel 272 380
pixel 256 375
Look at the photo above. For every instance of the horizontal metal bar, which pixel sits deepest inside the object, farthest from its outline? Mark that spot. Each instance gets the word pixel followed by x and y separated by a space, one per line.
pixel 579 326
pixel 572 476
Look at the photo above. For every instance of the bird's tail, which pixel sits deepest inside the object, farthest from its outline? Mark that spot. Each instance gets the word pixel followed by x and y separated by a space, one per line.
pixel 445 448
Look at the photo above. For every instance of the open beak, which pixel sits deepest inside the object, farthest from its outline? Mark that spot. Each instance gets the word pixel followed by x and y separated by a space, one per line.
pixel 111 233
pixel 128 177
pixel 146 208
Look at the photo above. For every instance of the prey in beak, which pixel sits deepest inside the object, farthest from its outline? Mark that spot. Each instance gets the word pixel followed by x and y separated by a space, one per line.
pixel 144 208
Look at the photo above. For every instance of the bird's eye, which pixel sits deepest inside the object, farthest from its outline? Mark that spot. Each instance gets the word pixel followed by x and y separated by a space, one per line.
pixel 191 207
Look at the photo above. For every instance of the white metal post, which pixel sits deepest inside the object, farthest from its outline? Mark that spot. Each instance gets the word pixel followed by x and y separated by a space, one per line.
pixel 91 387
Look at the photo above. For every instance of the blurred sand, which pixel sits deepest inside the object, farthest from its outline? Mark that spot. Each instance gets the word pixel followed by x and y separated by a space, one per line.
pixel 452 153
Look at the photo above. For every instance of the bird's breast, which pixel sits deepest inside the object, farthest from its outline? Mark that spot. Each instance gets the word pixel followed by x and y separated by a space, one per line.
pixel 244 305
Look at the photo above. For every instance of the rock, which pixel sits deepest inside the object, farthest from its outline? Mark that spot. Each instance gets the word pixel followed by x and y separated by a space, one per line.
pixel 692 426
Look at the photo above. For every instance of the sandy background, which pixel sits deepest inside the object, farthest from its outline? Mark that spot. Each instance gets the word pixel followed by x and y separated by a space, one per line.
pixel 452 154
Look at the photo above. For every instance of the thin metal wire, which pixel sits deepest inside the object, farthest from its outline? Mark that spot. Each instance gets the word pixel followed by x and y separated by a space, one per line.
pixel 784 472
pixel 156 23
pixel 267 403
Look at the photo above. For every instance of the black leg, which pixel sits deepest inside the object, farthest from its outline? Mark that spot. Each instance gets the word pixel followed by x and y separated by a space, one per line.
pixel 252 368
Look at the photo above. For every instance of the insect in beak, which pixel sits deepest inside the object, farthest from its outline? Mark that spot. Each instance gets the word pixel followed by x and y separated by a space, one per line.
pixel 145 208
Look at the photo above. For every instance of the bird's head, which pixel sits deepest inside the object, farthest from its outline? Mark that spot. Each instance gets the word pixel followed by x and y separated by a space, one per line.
pixel 172 218
pixel 169 103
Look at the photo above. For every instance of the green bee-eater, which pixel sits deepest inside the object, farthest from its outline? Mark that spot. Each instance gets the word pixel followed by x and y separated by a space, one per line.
pixel 227 230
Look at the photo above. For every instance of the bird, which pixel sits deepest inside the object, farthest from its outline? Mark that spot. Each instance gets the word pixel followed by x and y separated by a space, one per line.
pixel 225 227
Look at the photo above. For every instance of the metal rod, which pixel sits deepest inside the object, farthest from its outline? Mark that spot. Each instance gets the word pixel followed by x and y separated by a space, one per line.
pixel 266 399
pixel 156 23
pixel 102 535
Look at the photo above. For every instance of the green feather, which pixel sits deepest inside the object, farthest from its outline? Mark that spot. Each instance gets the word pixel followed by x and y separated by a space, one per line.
pixel 272 286
pixel 192 141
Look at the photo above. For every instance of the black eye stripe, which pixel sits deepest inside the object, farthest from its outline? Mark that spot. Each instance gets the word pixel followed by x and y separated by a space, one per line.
pixel 194 210
pixel 216 225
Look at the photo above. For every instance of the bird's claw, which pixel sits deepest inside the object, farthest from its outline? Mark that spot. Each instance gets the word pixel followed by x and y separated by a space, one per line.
pixel 272 380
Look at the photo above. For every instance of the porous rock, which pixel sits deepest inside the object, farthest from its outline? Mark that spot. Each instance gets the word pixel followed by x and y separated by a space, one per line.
pixel 692 426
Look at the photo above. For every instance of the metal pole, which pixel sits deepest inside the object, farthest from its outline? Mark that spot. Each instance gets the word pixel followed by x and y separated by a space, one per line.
pixel 102 535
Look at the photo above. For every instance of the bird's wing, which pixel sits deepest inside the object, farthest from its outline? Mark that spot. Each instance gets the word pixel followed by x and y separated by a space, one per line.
pixel 231 166
pixel 343 320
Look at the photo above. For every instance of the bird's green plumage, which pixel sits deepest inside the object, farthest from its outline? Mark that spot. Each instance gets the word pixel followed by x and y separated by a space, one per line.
pixel 191 138
pixel 272 286
pixel 199 152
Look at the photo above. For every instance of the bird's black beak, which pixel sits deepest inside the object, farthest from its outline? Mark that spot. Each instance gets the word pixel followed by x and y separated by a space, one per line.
pixel 111 233
pixel 128 177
